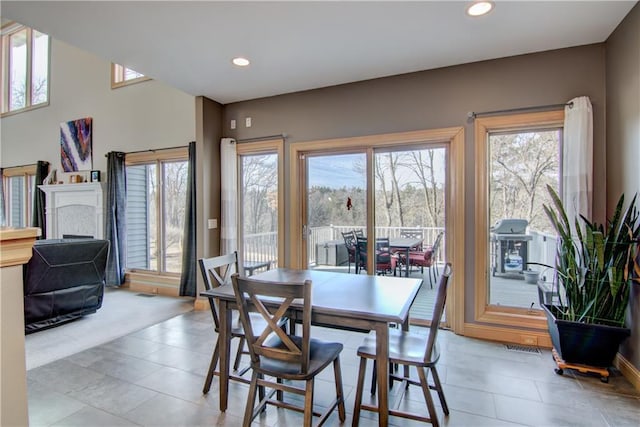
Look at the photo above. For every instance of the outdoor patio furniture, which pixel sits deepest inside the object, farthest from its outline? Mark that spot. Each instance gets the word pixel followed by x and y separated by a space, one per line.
pixel 426 258
pixel 350 242
pixel 386 261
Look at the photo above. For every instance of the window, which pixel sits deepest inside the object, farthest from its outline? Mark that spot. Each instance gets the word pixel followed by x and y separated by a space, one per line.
pixel 261 221
pixel 517 157
pixel 123 76
pixel 25 68
pixel 156 201
pixel 18 186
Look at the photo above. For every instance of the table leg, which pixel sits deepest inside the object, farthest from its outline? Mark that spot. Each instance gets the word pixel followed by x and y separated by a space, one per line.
pixel 382 361
pixel 224 339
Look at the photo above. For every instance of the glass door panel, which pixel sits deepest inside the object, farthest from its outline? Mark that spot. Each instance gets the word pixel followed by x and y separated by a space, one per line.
pixel 259 211
pixel 335 204
pixel 521 165
pixel 410 193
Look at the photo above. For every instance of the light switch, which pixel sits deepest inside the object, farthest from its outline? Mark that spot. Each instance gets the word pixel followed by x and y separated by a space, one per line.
pixel 233 124
pixel 212 223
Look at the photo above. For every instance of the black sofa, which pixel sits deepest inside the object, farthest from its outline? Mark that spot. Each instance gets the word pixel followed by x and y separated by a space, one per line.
pixel 63 280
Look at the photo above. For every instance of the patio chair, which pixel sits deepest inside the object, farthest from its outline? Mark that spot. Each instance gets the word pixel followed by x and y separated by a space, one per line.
pixel 385 260
pixel 426 258
pixel 277 355
pixel 350 242
pixel 412 233
pixel 410 349
pixel 217 271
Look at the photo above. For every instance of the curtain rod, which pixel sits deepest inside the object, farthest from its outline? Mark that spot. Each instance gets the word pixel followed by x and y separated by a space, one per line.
pixel 22 166
pixel 473 114
pixel 153 150
pixel 262 138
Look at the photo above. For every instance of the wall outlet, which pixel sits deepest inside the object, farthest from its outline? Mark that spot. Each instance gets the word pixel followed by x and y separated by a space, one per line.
pixel 232 125
pixel 212 223
pixel 247 122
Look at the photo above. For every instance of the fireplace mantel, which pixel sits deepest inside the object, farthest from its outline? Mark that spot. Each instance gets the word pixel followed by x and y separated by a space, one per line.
pixel 76 209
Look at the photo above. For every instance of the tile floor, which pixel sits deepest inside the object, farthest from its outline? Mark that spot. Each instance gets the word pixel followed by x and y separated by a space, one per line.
pixel 154 377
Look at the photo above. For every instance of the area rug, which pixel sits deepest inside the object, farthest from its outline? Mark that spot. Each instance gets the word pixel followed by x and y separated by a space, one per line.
pixel 122 313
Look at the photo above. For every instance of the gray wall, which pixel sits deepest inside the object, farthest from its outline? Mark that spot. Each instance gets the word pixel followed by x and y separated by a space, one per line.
pixel 623 138
pixel 436 99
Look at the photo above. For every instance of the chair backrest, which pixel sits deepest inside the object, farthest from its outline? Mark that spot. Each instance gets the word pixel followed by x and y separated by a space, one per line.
pixel 411 233
pixel 349 239
pixel 272 342
pixel 358 232
pixel 217 271
pixel 438 310
pixel 383 249
pixel 437 243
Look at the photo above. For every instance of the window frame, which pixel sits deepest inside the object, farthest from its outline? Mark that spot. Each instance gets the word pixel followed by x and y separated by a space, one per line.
pixel 26 171
pixel 501 316
pixel 157 157
pixel 7 31
pixel 271 146
pixel 118 79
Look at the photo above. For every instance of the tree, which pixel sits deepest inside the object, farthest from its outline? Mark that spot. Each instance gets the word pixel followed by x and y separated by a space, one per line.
pixel 522 164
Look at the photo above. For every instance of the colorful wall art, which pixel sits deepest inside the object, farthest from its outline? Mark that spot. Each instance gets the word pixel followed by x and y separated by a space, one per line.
pixel 75 145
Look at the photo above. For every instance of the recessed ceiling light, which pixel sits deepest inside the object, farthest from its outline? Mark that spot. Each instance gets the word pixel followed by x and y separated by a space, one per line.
pixel 480 8
pixel 240 61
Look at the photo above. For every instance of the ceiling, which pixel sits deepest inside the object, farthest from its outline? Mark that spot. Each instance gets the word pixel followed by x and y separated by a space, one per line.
pixel 295 46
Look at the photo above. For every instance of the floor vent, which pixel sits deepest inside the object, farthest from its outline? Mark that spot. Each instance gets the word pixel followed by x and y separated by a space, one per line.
pixel 146 295
pixel 522 348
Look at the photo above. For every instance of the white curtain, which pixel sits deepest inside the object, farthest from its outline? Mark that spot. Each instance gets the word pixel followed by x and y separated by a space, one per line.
pixel 229 184
pixel 577 159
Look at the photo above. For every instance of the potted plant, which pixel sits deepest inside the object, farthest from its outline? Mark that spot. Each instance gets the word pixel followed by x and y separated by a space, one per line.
pixel 594 274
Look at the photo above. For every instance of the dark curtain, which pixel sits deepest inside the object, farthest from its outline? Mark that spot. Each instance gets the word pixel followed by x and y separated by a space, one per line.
pixel 188 280
pixel 116 224
pixel 38 218
pixel 3 220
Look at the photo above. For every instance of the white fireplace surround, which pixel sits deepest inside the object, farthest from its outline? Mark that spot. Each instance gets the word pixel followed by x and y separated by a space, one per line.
pixel 76 209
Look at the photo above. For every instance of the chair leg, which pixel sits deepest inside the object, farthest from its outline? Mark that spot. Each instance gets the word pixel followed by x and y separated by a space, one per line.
pixel 433 415
pixel 212 369
pixel 308 402
pixel 438 387
pixel 359 387
pixel 337 373
pixel 374 377
pixel 251 400
pixel 236 364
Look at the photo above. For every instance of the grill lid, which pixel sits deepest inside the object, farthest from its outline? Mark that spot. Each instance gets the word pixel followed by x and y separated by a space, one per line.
pixel 510 226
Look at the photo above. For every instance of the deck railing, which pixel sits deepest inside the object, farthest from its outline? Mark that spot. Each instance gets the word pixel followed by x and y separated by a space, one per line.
pixel 264 246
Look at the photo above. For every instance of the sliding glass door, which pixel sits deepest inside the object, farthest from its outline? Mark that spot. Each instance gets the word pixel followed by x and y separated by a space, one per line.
pixel 336 207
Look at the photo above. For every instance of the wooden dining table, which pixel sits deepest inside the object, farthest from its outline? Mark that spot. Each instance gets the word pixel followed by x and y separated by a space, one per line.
pixel 340 301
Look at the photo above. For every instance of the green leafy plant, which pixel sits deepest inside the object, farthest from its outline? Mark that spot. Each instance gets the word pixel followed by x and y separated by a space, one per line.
pixel 595 266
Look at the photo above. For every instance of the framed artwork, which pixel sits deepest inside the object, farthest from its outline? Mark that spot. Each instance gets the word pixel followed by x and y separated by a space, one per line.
pixel 75 145
pixel 95 176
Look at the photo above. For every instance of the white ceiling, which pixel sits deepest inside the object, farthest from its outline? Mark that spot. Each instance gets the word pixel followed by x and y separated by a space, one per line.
pixel 296 46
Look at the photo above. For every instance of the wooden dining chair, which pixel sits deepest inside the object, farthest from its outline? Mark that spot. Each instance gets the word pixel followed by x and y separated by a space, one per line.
pixel 283 357
pixel 410 349
pixel 217 271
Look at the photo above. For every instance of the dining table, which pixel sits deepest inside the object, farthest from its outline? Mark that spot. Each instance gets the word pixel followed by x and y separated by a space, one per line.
pixel 340 301
pixel 405 244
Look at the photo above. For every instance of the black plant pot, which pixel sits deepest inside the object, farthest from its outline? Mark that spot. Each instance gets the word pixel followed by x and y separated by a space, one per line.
pixel 584 343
